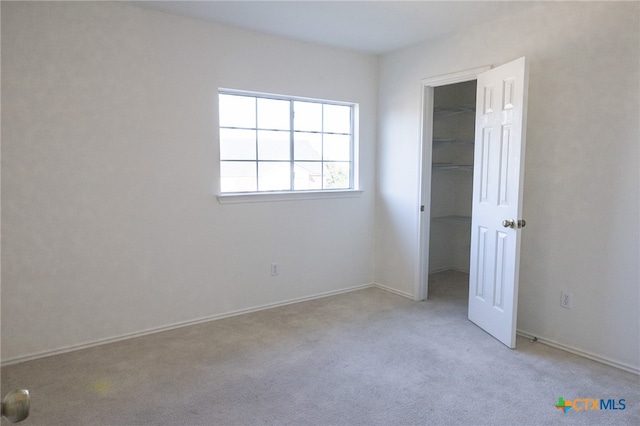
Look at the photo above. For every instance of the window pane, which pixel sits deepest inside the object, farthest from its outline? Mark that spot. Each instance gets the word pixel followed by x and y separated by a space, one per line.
pixel 274 114
pixel 337 119
pixel 307 175
pixel 337 147
pixel 336 175
pixel 237 144
pixel 237 176
pixel 307 116
pixel 273 145
pixel 274 176
pixel 237 111
pixel 307 146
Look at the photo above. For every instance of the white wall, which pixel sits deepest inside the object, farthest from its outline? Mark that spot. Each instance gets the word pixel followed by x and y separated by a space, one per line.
pixel 109 157
pixel 581 176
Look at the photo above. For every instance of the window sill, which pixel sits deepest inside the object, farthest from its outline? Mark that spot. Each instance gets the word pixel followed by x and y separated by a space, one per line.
pixel 257 197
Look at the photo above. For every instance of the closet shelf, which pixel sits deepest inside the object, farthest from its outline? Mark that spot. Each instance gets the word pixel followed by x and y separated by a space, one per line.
pixel 451 166
pixel 453 141
pixel 455 110
pixel 463 220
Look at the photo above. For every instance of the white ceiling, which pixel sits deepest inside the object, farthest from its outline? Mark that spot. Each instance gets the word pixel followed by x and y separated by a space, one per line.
pixel 367 26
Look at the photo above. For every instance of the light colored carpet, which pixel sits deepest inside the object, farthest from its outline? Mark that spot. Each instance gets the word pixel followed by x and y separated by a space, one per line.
pixel 363 358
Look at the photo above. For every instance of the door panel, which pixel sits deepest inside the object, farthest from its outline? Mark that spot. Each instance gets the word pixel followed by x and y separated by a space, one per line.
pixel 497 188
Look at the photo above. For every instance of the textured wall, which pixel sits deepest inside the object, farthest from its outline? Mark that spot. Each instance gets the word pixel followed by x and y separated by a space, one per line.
pixel 581 172
pixel 110 225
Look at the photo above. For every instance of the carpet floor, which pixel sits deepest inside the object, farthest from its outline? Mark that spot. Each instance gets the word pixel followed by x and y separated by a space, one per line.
pixel 367 357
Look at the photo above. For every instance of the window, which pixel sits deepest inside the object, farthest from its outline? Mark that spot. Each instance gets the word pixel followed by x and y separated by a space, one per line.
pixel 273 143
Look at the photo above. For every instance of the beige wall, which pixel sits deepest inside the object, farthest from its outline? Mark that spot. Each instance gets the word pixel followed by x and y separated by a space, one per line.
pixel 581 176
pixel 110 225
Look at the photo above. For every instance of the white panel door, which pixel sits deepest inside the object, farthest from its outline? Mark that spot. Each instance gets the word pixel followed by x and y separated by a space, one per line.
pixel 501 107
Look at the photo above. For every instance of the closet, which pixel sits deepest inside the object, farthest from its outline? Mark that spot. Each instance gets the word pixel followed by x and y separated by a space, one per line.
pixel 452 176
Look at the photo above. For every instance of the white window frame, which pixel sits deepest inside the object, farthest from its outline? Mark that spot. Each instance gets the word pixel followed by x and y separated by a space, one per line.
pixel 293 194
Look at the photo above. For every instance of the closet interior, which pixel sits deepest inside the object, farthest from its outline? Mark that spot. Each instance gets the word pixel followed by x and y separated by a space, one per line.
pixel 452 177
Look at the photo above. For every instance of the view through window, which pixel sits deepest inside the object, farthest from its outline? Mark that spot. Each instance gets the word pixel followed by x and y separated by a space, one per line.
pixel 274 143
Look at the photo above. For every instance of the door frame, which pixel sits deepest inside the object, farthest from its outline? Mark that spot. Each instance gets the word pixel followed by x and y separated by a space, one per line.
pixel 421 283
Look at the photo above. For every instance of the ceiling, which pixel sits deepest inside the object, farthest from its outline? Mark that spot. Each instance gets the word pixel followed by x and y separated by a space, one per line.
pixel 376 27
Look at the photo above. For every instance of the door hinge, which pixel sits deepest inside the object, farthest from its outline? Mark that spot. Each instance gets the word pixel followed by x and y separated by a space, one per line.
pixel 421 208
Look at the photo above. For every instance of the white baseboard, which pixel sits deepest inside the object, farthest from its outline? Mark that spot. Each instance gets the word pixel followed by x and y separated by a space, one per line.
pixel 393 290
pixel 100 342
pixel 580 352
pixel 549 342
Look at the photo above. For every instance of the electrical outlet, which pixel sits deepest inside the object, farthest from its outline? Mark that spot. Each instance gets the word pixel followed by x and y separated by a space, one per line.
pixel 566 300
pixel 275 269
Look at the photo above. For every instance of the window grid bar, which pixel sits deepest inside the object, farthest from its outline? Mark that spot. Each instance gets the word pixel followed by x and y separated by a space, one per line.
pixel 292 177
pixel 288 131
pixel 286 161
pixel 322 148
pixel 351 151
pixel 257 150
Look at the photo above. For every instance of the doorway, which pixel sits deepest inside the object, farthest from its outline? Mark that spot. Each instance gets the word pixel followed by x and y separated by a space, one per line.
pixel 448 126
pixel 500 134
pixel 452 153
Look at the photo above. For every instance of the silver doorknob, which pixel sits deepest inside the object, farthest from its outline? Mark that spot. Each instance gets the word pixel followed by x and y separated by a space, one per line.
pixel 522 223
pixel 15 406
pixel 509 223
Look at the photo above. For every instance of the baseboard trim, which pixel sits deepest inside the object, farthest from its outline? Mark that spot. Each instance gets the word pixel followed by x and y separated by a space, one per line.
pixel 525 334
pixel 580 352
pixel 72 348
pixel 393 290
